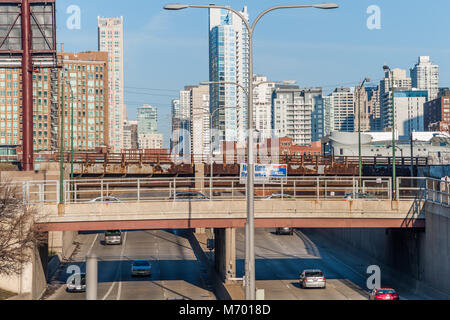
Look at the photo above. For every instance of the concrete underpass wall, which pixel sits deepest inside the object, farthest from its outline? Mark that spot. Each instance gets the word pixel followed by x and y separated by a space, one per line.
pixel 32 282
pixel 421 255
pixel 437 253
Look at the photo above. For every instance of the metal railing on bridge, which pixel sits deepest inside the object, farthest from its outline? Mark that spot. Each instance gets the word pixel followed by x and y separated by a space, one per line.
pixel 302 160
pixel 438 191
pixel 220 189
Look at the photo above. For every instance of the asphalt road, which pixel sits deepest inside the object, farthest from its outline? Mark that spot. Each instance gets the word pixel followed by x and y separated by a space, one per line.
pixel 176 273
pixel 280 259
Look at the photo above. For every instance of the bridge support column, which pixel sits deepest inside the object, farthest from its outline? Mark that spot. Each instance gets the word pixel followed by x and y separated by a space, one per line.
pixel 225 253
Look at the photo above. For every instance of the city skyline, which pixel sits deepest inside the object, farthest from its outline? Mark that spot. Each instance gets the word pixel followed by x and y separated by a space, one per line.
pixel 323 58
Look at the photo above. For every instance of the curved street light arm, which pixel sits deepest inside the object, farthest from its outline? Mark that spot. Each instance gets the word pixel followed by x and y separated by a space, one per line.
pixel 247 24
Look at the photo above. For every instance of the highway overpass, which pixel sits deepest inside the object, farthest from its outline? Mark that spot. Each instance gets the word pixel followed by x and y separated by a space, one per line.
pixel 307 202
pixel 230 214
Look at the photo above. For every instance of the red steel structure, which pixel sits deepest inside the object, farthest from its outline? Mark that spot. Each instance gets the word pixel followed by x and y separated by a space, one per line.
pixel 36 48
pixel 27 89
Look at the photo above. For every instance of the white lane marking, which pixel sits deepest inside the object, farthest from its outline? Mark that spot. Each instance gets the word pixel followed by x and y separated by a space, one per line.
pixel 121 255
pixel 92 245
pixel 119 270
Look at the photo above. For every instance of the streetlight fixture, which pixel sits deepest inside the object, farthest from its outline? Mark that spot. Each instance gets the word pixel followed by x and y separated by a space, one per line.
pixel 250 292
pixel 359 129
pixel 394 182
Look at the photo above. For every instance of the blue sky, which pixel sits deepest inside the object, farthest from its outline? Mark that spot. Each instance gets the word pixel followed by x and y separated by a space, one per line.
pixel 166 50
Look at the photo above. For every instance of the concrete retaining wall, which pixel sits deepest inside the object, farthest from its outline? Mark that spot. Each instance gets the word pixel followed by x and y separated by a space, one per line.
pixel 417 254
pixel 32 282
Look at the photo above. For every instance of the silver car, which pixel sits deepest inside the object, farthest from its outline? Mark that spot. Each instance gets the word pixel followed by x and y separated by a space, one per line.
pixel 312 279
pixel 113 237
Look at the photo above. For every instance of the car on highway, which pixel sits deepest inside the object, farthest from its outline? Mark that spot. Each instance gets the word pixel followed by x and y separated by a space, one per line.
pixel 278 197
pixel 189 195
pixel 384 294
pixel 312 279
pixel 105 199
pixel 80 287
pixel 285 231
pixel 359 195
pixel 141 268
pixel 113 237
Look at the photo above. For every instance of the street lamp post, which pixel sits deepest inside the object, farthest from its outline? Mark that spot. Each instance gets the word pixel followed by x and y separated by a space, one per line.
pixel 394 182
pixel 61 147
pixel 250 292
pixel 65 81
pixel 359 130
pixel 412 154
pixel 71 133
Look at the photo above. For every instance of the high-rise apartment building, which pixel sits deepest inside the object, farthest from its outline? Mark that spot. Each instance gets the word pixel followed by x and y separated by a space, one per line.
pixel 262 106
pixel 83 93
pixel 409 111
pixel 151 141
pixel 45 106
pixel 314 96
pixel 110 39
pixel 328 115
pixel 425 76
pixel 292 110
pixel 340 110
pixel 200 122
pixel 362 111
pixel 130 135
pixel 147 117
pixel 228 61
pixel 401 82
pixel 374 106
pixel 181 123
pixel 437 114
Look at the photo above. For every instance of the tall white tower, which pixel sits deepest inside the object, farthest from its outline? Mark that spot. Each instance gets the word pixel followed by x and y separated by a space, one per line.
pixel 229 61
pixel 110 39
pixel 425 76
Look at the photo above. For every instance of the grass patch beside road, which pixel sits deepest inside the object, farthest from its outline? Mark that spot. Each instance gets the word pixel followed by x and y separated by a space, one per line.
pixel 6 294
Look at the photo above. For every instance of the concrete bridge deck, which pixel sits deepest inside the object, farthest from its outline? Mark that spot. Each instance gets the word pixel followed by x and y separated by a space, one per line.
pixel 230 214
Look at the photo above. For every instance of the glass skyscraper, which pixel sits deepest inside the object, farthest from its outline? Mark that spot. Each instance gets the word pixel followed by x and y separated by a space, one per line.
pixel 228 54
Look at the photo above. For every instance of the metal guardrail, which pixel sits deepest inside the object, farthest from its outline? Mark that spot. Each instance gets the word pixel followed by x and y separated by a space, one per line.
pixel 219 189
pixel 89 158
pixel 35 192
pixel 438 191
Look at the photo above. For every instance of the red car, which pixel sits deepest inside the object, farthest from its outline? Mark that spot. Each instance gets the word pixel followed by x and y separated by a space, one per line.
pixel 384 294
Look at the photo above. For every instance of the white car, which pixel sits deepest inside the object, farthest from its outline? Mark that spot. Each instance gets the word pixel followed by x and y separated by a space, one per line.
pixel 312 279
pixel 279 197
pixel 105 199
